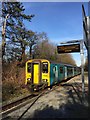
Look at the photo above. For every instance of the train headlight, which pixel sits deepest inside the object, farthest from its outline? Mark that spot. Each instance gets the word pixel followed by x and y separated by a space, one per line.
pixel 45 80
pixel 29 79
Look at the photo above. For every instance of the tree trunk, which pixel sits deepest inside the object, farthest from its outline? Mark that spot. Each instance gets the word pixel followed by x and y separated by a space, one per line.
pixel 3 35
pixel 30 51
pixel 23 53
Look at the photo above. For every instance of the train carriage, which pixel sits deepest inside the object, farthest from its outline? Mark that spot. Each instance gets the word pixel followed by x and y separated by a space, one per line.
pixel 42 72
pixel 56 73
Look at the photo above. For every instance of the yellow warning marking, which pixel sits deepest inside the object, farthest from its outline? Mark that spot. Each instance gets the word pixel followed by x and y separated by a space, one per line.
pixel 36 73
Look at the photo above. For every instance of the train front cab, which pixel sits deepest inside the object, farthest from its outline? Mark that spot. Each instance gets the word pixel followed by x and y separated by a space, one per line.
pixel 37 72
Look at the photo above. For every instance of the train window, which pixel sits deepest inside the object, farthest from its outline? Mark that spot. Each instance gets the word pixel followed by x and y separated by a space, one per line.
pixel 55 68
pixel 61 69
pixel 29 67
pixel 69 70
pixel 45 67
pixel 74 69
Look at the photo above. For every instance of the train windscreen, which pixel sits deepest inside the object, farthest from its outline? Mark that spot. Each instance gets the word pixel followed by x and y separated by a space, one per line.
pixel 45 67
pixel 29 67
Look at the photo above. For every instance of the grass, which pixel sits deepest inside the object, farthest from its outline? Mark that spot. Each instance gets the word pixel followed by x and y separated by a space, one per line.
pixel 11 92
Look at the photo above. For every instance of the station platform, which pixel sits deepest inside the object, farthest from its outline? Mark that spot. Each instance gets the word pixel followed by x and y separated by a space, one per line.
pixel 64 101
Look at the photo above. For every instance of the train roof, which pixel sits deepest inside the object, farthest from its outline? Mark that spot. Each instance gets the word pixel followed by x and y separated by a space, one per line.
pixel 53 62
pixel 63 63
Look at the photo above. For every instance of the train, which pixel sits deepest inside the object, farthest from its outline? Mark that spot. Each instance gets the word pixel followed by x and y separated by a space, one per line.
pixel 43 73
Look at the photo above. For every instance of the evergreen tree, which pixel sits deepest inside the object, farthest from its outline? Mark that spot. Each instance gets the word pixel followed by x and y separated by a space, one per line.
pixel 32 39
pixel 14 32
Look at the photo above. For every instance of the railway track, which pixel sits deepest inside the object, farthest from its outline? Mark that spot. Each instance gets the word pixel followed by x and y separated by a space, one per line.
pixel 15 103
pixel 22 102
pixel 41 94
pixel 7 109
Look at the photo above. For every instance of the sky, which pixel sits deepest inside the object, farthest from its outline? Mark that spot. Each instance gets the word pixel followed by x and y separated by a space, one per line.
pixel 62 21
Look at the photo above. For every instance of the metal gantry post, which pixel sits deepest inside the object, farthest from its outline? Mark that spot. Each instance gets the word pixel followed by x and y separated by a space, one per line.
pixel 86 26
pixel 82 68
pixel 89 74
pixel 88 51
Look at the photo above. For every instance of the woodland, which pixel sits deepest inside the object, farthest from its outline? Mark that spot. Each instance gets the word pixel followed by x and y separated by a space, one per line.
pixel 20 44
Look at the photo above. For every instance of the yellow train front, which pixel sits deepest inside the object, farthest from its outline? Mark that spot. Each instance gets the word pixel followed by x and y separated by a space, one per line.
pixel 37 73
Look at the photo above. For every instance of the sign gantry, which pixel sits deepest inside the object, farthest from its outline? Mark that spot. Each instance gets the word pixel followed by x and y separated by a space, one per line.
pixel 68 48
pixel 74 46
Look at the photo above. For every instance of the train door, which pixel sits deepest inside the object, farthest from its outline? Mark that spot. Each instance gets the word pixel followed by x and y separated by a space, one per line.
pixel 61 69
pixel 36 73
pixel 65 72
pixel 55 71
pixel 73 70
